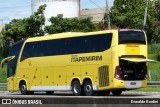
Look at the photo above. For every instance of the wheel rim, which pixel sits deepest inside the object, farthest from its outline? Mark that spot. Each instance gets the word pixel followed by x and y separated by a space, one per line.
pixel 88 88
pixel 23 87
pixel 76 88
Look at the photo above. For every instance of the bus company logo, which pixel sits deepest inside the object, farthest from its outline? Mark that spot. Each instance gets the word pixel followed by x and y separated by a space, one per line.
pixel 6 101
pixel 76 58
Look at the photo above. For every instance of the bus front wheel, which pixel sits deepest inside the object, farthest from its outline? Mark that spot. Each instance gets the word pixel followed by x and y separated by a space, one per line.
pixel 76 88
pixel 23 88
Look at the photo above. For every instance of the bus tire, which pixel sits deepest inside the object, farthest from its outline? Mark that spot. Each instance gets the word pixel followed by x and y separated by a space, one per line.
pixel 88 89
pixel 103 93
pixel 23 88
pixel 76 88
pixel 117 92
pixel 49 92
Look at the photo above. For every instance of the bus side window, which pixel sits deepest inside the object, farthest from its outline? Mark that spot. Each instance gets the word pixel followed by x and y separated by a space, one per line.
pixel 26 51
pixel 25 56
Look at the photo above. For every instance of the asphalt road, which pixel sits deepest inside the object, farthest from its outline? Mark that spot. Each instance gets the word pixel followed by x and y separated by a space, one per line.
pixel 67 98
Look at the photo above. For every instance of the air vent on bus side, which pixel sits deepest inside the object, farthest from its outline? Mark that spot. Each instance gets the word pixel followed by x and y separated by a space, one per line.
pixel 103 74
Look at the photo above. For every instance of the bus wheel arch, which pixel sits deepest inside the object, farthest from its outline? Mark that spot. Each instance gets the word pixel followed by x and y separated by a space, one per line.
pixel 23 87
pixel 88 87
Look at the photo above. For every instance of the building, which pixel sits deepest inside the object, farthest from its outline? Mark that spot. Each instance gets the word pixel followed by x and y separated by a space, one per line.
pixel 97 14
pixel 69 8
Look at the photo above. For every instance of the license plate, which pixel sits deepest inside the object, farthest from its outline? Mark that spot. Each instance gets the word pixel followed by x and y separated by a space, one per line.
pixel 133 84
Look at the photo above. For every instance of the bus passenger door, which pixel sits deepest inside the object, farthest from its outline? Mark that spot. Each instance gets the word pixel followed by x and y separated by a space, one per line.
pixel 11 71
pixel 10 83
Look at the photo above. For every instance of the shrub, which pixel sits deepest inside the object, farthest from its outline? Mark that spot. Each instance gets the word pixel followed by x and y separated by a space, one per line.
pixel 153 48
pixel 157 55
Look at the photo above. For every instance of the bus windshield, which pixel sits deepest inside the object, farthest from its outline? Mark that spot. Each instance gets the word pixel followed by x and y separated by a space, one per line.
pixel 14 51
pixel 131 37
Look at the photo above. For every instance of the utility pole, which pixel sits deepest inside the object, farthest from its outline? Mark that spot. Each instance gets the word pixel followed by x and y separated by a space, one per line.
pixel 108 16
pixel 145 15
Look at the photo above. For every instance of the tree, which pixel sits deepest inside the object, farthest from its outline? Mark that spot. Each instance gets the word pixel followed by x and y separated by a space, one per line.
pixel 157 15
pixel 157 9
pixel 18 29
pixel 12 32
pixel 34 24
pixel 101 25
pixel 15 29
pixel 5 43
pixel 130 14
pixel 60 24
pixel 27 27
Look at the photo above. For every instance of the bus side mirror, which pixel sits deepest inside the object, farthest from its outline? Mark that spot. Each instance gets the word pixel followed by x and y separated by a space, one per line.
pixel 5 60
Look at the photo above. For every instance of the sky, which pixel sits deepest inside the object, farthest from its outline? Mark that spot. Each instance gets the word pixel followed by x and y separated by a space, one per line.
pixel 16 9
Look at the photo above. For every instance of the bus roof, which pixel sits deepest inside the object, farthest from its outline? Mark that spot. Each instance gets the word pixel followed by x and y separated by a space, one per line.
pixel 66 35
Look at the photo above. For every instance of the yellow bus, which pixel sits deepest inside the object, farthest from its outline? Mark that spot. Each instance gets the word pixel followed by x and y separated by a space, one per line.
pixel 84 63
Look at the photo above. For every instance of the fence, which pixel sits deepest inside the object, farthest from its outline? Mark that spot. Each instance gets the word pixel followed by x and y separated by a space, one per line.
pixel 3 85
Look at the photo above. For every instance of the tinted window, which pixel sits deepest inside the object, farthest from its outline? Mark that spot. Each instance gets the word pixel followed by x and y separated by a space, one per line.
pixel 74 45
pixel 14 51
pixel 131 37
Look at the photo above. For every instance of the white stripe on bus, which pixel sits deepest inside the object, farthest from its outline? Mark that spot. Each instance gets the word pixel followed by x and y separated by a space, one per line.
pixel 55 88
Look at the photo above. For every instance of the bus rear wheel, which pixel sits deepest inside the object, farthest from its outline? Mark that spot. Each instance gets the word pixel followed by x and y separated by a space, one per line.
pixel 23 88
pixel 117 92
pixel 88 89
pixel 76 88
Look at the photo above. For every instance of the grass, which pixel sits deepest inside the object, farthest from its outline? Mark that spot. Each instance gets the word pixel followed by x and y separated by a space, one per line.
pixel 153 48
pixel 3 75
pixel 154 68
pixel 147 89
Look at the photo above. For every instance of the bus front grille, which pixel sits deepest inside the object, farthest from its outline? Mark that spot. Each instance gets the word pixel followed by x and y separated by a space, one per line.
pixel 103 76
